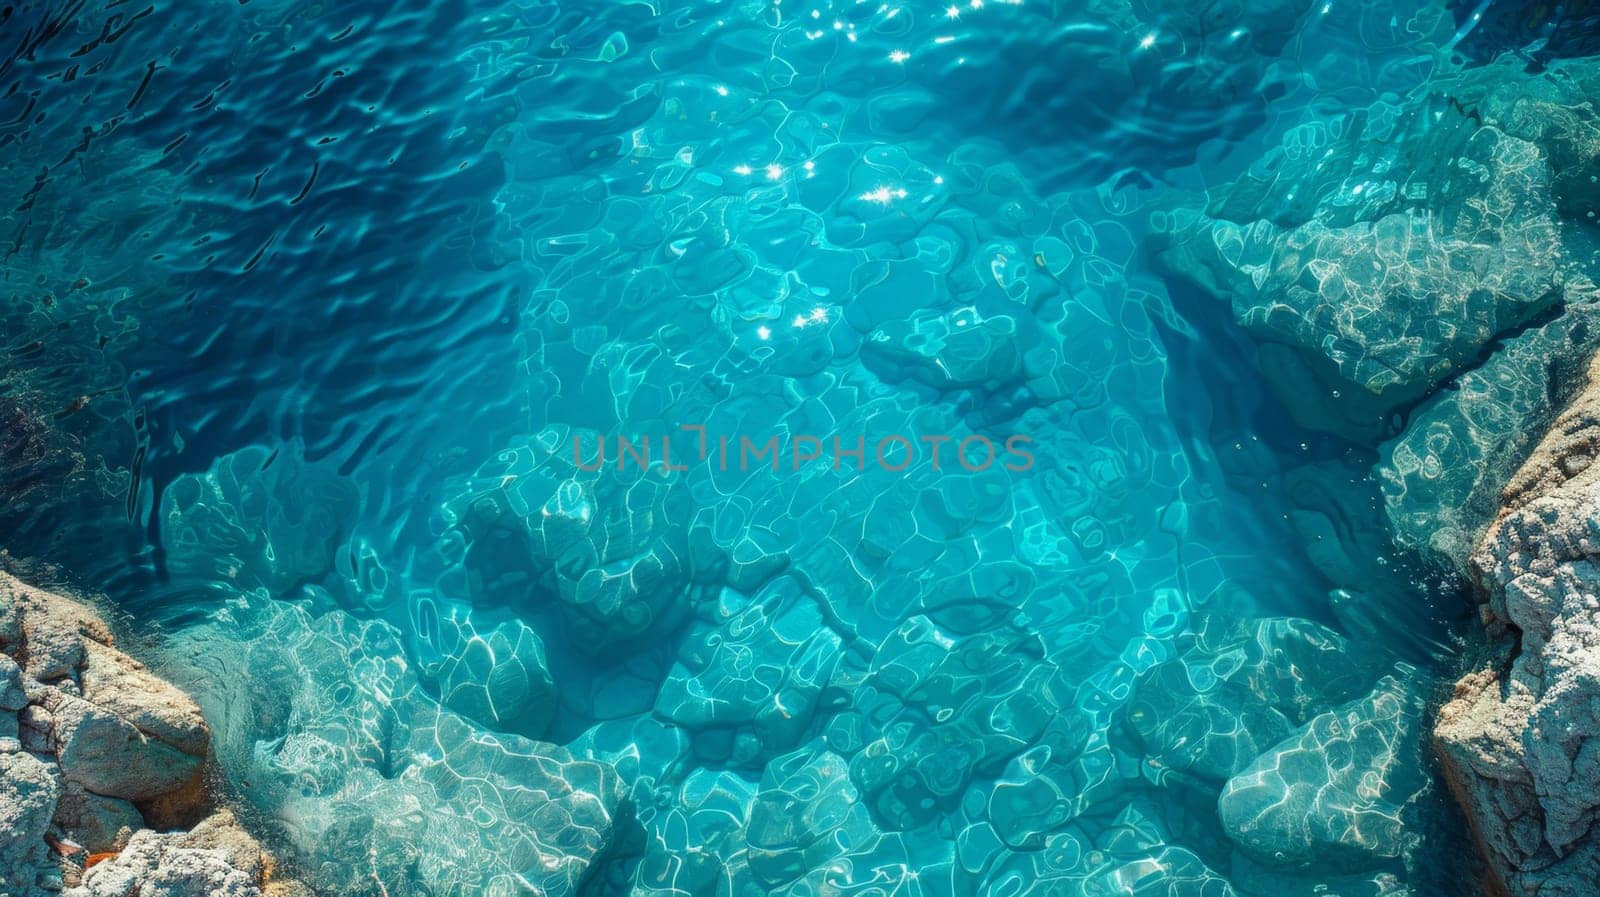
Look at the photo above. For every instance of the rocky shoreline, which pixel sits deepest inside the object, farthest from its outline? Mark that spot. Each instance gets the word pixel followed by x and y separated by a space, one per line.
pixel 1419 280
pixel 1425 280
pixel 103 785
pixel 1518 740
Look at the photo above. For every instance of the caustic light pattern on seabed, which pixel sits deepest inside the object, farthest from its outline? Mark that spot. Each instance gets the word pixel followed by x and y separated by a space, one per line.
pixel 307 304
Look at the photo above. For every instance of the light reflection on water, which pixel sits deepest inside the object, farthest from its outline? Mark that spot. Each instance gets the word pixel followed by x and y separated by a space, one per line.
pixel 339 281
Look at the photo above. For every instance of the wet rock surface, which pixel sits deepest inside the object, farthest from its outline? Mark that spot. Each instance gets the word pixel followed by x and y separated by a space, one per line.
pixel 95 749
pixel 217 858
pixel 1424 274
pixel 1519 736
pixel 366 772
pixel 29 789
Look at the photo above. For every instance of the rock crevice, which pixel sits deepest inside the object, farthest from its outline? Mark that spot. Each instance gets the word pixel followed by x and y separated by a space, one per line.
pixel 1519 738
pixel 1423 280
pixel 102 769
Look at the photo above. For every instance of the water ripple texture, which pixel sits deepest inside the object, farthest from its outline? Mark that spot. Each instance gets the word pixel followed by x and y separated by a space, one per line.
pixel 749 447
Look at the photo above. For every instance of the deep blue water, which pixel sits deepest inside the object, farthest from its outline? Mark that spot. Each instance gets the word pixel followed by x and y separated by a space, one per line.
pixel 340 284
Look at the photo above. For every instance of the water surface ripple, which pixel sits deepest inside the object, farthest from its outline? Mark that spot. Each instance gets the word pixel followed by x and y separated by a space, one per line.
pixel 317 296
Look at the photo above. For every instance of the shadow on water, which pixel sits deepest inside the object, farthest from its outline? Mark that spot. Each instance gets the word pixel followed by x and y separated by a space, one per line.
pixel 275 225
pixel 1233 404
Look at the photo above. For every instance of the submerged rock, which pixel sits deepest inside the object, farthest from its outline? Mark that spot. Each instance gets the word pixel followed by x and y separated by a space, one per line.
pixel 1424 271
pixel 368 775
pixel 498 676
pixel 1217 707
pixel 1333 794
pixel 1135 856
pixel 1424 275
pixel 1370 268
pixel 755 670
pixel 806 814
pixel 1442 476
pixel 936 711
pixel 569 519
pixel 256 519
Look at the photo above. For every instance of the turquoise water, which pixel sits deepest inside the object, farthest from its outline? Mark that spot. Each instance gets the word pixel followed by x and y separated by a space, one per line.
pixel 306 304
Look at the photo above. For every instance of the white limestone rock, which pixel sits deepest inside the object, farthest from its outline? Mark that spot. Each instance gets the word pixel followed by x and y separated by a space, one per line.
pixel 1521 742
pixel 29 788
pixel 86 732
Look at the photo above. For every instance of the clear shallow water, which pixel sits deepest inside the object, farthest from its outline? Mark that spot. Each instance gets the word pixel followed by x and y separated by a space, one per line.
pixel 340 284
